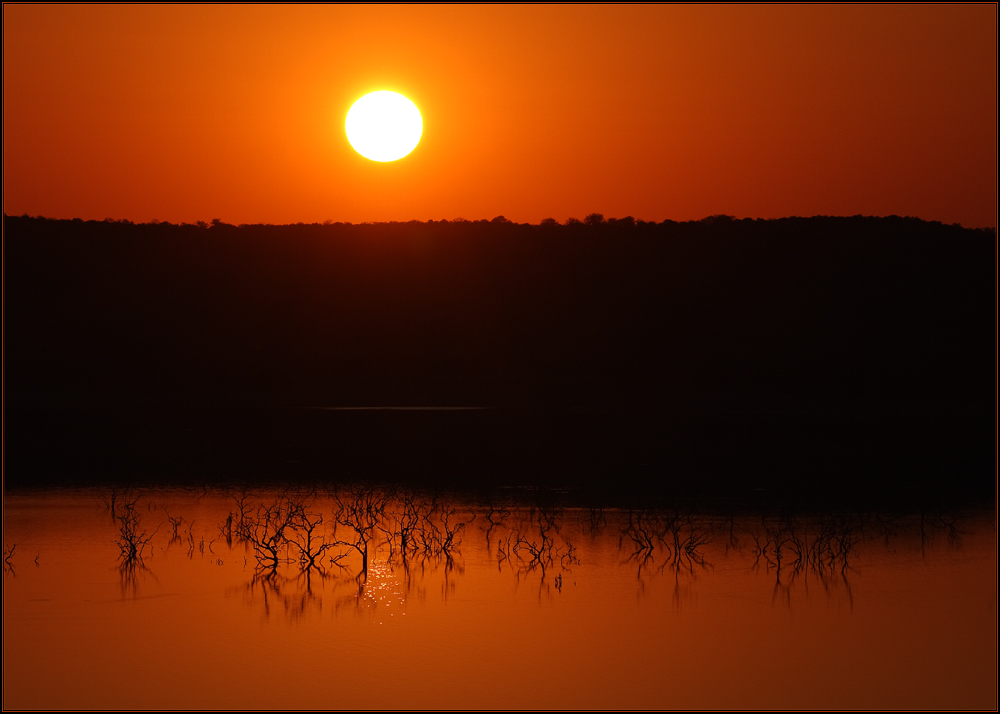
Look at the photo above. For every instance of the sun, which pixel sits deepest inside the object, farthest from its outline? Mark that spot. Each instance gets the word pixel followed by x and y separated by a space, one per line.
pixel 384 126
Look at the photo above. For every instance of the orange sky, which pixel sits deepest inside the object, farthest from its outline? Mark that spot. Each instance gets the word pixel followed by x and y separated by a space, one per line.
pixel 199 112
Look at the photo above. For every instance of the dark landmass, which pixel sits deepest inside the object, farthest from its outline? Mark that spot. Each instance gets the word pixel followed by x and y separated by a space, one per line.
pixel 814 358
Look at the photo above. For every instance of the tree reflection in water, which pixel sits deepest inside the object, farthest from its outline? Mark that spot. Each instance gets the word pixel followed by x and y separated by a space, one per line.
pixel 370 548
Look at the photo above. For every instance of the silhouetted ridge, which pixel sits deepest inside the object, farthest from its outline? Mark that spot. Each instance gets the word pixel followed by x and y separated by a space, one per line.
pixel 785 342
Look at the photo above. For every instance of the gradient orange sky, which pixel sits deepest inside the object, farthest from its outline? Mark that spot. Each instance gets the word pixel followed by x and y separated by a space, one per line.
pixel 236 112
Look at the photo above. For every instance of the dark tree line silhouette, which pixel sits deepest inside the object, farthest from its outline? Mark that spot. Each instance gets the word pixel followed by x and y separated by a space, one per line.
pixel 838 352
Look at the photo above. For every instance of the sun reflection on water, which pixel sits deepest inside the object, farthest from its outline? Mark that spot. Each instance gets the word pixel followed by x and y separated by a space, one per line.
pixel 382 593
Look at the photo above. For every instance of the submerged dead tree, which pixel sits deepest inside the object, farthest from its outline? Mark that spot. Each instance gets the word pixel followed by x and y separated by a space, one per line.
pixel 266 531
pixel 362 509
pixel 132 541
pixel 305 535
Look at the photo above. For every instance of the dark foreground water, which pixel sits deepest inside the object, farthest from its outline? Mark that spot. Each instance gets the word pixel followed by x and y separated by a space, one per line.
pixel 261 599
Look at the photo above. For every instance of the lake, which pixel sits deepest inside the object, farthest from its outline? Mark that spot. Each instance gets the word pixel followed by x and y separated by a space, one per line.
pixel 371 598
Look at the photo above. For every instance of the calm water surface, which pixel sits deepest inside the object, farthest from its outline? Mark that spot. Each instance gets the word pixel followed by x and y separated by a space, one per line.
pixel 225 599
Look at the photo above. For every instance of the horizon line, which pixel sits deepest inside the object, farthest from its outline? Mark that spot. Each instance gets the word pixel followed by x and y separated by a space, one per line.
pixel 590 220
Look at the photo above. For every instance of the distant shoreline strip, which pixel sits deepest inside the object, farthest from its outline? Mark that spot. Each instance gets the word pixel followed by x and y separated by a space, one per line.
pixel 400 409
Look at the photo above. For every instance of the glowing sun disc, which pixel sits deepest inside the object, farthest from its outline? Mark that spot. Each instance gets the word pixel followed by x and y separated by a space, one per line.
pixel 384 126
